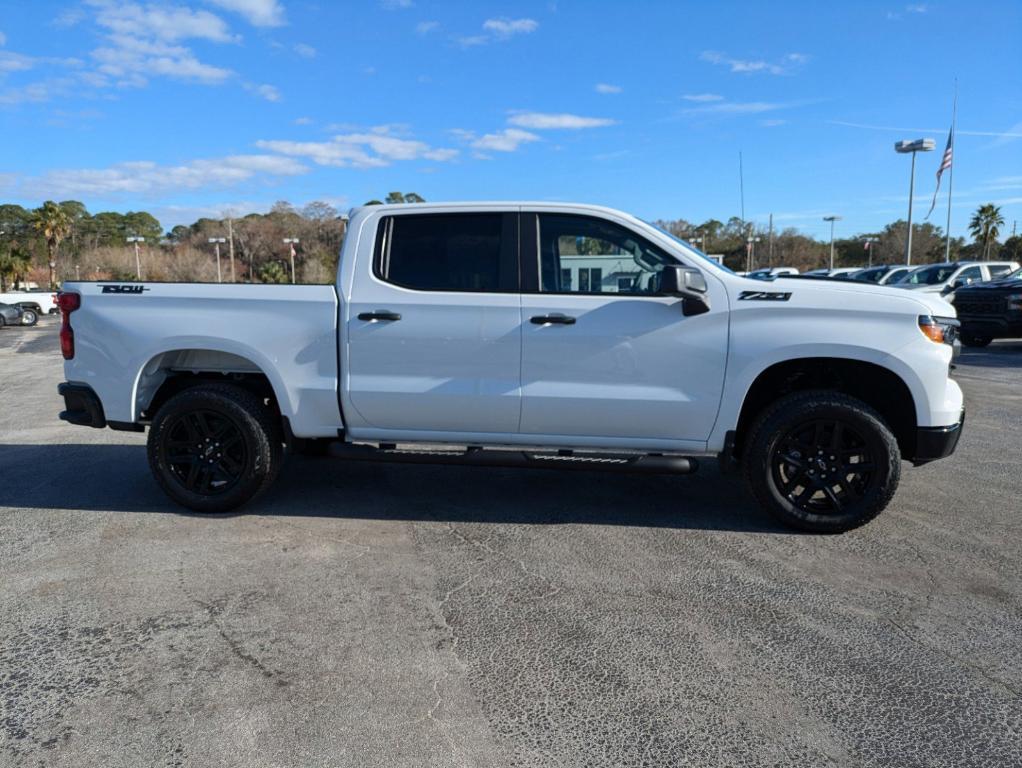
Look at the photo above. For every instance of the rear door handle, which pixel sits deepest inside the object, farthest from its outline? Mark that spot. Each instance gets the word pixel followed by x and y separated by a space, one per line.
pixel 552 319
pixel 380 315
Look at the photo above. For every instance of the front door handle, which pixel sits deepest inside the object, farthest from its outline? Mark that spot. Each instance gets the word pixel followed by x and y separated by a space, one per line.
pixel 380 315
pixel 552 319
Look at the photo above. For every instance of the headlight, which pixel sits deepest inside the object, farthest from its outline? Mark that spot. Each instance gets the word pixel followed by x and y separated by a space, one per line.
pixel 942 330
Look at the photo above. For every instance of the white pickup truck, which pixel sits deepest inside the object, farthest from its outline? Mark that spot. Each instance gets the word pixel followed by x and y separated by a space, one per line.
pixel 523 334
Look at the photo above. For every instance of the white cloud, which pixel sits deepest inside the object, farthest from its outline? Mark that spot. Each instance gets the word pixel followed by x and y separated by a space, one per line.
pixel 305 51
pixel 303 121
pixel 374 149
pixel 607 88
pixel 702 97
pixel 505 27
pixel 507 140
pixel 499 29
pixel 1015 132
pixel 544 121
pixel 425 27
pixel 15 62
pixel 268 92
pixel 130 61
pixel 258 13
pixel 3 39
pixel 788 62
pixel 149 178
pixel 170 23
pixel 772 123
pixel 738 107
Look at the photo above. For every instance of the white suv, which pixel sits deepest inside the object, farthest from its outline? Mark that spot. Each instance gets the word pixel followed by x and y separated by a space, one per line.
pixel 952 275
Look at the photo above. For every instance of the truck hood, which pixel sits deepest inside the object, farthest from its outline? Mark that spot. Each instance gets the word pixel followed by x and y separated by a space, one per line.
pixel 1003 284
pixel 931 301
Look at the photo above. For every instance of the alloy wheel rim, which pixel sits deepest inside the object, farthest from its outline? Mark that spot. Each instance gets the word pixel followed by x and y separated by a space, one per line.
pixel 205 452
pixel 823 466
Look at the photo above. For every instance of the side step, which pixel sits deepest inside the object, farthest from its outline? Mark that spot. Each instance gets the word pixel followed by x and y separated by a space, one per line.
pixel 650 464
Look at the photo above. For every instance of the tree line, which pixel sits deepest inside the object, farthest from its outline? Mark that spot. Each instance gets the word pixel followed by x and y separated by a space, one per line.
pixel 61 241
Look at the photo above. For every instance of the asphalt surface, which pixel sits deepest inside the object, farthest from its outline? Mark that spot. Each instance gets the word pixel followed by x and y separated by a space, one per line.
pixel 436 616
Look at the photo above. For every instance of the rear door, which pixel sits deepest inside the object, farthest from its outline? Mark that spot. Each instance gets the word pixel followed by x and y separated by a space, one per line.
pixel 434 332
pixel 603 355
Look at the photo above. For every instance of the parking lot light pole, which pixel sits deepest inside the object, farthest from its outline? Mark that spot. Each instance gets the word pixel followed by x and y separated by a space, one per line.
pixel 138 263
pixel 832 218
pixel 292 241
pixel 216 242
pixel 911 147
pixel 870 244
pixel 750 248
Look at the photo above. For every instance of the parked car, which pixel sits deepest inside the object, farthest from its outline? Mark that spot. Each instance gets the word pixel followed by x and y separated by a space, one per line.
pixel 991 310
pixel 766 273
pixel 884 274
pixel 488 329
pixel 40 302
pixel 952 275
pixel 10 315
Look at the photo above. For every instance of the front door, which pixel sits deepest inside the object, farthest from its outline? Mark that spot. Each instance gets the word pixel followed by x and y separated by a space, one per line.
pixel 434 334
pixel 603 355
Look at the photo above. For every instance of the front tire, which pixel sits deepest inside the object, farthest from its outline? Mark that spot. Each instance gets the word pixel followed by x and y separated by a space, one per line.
pixel 214 447
pixel 822 461
pixel 29 317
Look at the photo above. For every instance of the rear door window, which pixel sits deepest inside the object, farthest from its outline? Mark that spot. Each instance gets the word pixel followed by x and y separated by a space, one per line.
pixel 468 252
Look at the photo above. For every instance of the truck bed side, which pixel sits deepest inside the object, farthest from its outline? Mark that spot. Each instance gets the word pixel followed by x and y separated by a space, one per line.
pixel 129 338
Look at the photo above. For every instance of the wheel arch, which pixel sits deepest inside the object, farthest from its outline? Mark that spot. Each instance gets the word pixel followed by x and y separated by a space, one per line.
pixel 174 369
pixel 878 386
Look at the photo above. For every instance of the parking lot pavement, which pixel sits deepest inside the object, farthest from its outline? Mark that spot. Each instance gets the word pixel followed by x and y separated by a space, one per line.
pixel 407 615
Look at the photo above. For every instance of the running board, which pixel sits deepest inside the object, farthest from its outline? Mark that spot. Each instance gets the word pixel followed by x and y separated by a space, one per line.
pixel 649 464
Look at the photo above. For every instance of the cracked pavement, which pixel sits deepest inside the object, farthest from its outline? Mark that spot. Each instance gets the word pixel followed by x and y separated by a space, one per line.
pixel 363 614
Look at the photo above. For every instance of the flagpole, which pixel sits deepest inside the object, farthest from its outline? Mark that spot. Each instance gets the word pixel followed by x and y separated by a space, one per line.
pixel 951 173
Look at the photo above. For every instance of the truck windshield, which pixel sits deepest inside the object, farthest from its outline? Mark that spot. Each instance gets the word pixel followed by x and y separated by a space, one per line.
pixel 938 273
pixel 689 247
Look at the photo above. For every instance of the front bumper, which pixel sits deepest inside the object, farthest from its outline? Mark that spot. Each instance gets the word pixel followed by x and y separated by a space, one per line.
pixel 934 443
pixel 81 405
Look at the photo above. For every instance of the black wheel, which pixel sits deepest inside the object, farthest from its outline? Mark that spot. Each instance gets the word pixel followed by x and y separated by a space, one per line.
pixel 822 461
pixel 29 317
pixel 214 447
pixel 975 341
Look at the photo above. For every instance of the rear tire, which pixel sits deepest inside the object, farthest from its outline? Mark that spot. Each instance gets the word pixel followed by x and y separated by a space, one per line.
pixel 214 447
pixel 822 461
pixel 975 341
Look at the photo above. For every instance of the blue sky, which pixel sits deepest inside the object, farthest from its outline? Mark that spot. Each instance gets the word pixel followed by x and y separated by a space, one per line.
pixel 193 107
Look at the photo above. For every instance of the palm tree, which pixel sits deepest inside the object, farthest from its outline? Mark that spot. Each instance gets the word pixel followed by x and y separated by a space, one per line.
pixel 14 263
pixel 985 225
pixel 54 224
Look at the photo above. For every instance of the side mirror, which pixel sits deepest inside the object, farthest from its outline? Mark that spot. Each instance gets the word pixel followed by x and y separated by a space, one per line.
pixel 688 284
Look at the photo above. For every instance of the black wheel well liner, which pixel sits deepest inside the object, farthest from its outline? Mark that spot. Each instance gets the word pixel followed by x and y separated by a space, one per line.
pixel 178 381
pixel 880 388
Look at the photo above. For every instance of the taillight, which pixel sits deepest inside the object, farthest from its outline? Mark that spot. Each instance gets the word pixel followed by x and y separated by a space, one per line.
pixel 67 303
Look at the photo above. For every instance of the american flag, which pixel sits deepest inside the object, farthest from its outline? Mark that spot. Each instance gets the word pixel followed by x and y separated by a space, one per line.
pixel 945 163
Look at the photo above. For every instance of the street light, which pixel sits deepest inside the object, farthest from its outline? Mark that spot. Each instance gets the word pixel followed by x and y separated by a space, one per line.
pixel 750 250
pixel 868 243
pixel 911 147
pixel 292 241
pixel 832 218
pixel 216 241
pixel 138 264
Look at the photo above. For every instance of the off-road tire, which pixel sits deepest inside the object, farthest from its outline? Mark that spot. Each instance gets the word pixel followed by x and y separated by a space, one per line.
pixel 249 458
pixel 864 465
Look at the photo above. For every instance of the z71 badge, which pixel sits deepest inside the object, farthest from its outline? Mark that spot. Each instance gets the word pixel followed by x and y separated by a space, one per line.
pixel 123 288
pixel 764 295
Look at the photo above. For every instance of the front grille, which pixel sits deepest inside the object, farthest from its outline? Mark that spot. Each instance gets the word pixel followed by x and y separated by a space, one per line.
pixel 980 306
